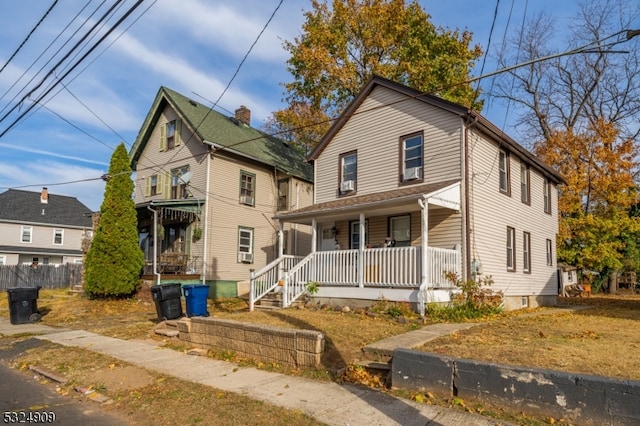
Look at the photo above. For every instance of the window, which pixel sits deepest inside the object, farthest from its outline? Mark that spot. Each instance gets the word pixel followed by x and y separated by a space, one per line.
pixel 45 261
pixel 283 194
pixel 348 172
pixel 247 188
pixel 3 260
pixel 570 276
pixel 178 186
pixel 546 187
pixel 170 135
pixel 26 234
pixel 245 245
pixel 411 155
pixel 503 167
pixel 354 234
pixel 525 192
pixel 526 252
pixel 400 230
pixel 57 236
pixel 511 249
pixel 153 190
pixel 549 253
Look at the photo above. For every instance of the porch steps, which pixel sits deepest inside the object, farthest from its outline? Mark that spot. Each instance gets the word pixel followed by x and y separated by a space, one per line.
pixel 271 300
pixel 167 328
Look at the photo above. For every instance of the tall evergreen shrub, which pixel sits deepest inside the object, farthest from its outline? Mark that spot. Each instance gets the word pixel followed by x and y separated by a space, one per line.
pixel 114 260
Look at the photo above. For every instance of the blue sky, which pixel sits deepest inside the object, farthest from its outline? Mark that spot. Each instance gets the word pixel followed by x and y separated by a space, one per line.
pixel 192 46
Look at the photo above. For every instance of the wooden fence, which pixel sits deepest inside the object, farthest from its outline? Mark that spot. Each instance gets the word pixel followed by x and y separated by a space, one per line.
pixel 46 276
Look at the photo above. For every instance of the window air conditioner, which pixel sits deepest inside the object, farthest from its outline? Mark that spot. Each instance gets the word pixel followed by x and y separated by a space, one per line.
pixel 246 257
pixel 245 199
pixel 347 185
pixel 412 173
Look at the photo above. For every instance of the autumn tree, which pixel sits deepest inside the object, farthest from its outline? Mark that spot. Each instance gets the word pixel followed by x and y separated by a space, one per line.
pixel 343 45
pixel 114 260
pixel 597 230
pixel 596 81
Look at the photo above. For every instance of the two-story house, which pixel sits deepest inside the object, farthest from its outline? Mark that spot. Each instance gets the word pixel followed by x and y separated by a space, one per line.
pixel 207 188
pixel 38 228
pixel 408 187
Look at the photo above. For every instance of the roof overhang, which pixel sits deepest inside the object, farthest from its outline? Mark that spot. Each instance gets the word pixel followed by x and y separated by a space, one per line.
pixel 443 194
pixel 188 209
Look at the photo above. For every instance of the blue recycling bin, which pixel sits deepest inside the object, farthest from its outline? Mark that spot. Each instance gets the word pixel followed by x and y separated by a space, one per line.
pixel 196 299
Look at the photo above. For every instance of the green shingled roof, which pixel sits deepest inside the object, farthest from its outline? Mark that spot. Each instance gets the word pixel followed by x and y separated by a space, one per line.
pixel 224 132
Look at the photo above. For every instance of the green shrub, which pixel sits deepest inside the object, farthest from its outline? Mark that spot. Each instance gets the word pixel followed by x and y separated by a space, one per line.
pixel 475 300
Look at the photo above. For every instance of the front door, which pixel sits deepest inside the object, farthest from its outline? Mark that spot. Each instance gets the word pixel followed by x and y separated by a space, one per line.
pixel 327 238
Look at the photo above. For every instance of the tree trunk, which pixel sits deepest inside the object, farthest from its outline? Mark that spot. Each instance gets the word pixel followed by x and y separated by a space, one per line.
pixel 613 283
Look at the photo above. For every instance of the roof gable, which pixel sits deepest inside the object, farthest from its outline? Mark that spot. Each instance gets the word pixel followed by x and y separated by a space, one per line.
pixel 471 116
pixel 223 133
pixel 26 207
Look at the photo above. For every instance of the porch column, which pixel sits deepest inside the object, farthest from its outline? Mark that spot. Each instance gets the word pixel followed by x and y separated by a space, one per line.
pixel 361 244
pixel 280 249
pixel 425 241
pixel 314 245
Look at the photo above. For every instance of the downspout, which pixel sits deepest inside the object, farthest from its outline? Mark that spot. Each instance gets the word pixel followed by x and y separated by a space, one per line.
pixel 206 219
pixel 466 218
pixel 155 244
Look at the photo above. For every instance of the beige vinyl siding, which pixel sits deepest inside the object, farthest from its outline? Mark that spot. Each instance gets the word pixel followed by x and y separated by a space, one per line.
pixel 299 236
pixel 375 133
pixel 492 211
pixel 191 151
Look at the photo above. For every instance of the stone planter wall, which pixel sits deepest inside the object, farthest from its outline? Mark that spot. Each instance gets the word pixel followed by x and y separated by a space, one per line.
pixel 297 348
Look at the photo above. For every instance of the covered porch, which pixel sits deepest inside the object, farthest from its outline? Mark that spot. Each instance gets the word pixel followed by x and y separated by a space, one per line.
pixel 397 246
pixel 169 233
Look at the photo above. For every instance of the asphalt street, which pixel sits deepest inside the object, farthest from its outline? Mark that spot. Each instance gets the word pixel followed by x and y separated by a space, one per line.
pixel 24 400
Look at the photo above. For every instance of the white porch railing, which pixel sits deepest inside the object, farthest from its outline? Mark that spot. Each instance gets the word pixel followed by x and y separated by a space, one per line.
pixel 382 267
pixel 266 279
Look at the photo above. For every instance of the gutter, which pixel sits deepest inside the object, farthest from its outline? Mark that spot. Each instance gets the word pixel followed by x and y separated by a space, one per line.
pixel 155 244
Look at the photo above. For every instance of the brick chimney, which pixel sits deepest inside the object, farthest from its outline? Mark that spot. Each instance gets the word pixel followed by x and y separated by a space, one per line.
pixel 44 196
pixel 243 115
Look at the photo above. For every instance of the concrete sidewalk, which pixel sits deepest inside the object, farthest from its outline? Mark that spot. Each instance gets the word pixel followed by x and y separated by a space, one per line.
pixel 331 403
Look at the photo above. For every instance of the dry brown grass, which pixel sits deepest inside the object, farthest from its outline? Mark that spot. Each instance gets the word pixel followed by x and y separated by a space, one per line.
pixel 603 340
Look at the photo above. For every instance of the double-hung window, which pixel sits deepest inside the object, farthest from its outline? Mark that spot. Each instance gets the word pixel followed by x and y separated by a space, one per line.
pixel 57 236
pixel 153 185
pixel 247 188
pixel 400 227
pixel 179 185
pixel 245 245
pixel 503 170
pixel 549 253
pixel 511 249
pixel 27 233
pixel 170 135
pixel 546 187
pixel 525 181
pixel 283 194
pixel 412 153
pixel 348 172
pixel 526 252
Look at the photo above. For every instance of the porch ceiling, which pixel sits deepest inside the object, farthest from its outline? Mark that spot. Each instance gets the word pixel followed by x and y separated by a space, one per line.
pixel 387 203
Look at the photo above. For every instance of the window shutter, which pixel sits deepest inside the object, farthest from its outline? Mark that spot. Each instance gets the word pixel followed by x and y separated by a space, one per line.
pixel 159 183
pixel 163 137
pixel 167 185
pixel 147 186
pixel 178 137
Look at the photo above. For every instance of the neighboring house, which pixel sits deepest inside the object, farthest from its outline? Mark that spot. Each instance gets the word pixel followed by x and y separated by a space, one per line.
pixel 450 189
pixel 38 228
pixel 212 183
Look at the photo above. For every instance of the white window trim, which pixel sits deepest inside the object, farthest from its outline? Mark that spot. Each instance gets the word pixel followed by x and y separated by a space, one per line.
pixel 549 249
pixel 61 243
pixel 505 171
pixel 405 169
pixel 526 252
pixel 22 231
pixel 3 259
pixel 511 249
pixel 249 247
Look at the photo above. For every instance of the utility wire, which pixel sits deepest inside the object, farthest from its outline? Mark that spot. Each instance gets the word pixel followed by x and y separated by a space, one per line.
pixel 33 30
pixel 74 66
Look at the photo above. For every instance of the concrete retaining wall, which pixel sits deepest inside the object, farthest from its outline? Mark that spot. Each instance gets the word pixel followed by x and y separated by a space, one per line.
pixel 582 399
pixel 297 348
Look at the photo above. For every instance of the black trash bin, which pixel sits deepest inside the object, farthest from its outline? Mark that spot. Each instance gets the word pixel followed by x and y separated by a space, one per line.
pixel 23 305
pixel 167 298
